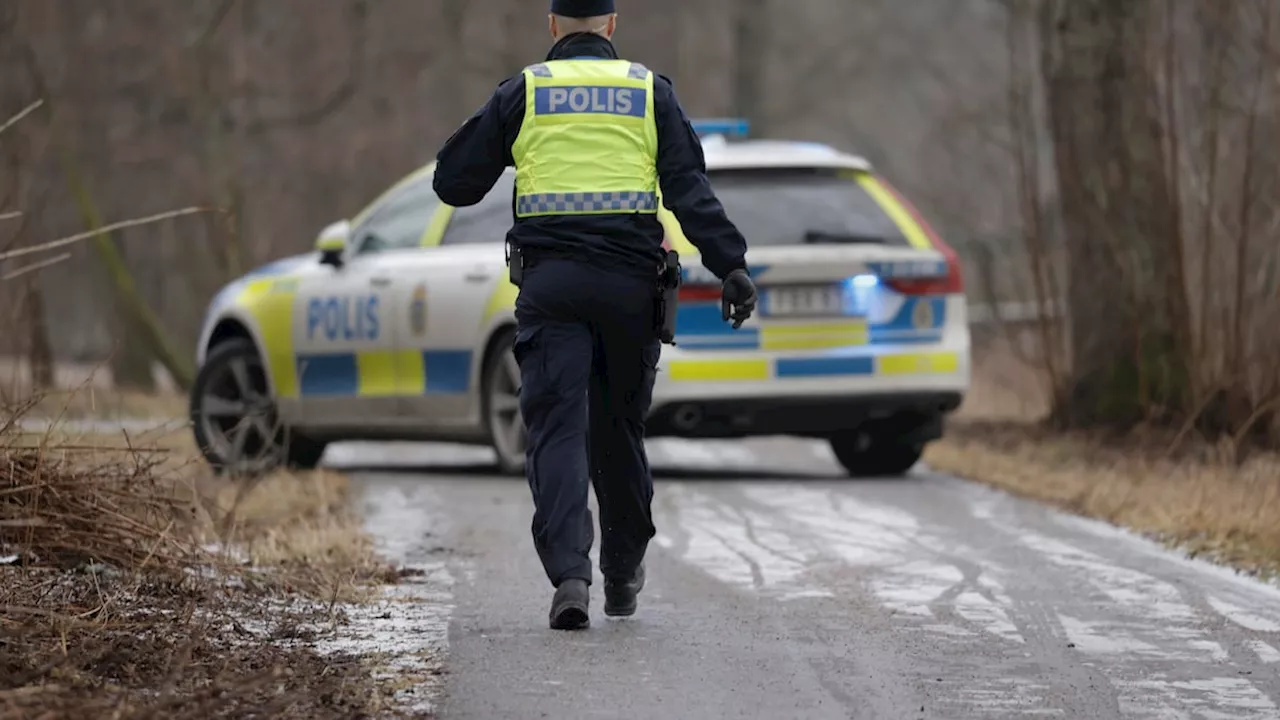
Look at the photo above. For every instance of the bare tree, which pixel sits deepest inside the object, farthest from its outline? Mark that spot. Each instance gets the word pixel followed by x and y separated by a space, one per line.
pixel 1125 268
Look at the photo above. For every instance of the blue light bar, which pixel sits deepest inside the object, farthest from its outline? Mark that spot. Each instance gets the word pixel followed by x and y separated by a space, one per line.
pixel 729 127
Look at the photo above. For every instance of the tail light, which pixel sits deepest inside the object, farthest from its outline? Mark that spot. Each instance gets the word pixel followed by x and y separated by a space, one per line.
pixel 952 283
pixel 699 293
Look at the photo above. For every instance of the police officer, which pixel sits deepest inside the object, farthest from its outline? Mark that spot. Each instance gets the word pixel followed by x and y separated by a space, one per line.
pixel 591 138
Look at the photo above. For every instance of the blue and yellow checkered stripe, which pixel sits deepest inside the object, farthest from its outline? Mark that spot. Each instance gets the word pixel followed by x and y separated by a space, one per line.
pixel 782 368
pixel 699 326
pixel 384 373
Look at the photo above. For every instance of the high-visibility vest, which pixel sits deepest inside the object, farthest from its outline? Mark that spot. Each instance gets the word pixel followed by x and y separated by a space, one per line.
pixel 589 141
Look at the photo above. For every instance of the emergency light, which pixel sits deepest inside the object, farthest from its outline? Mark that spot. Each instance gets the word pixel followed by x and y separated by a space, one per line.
pixel 728 127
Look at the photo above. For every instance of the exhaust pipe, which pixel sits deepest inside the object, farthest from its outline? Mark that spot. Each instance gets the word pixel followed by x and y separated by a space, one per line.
pixel 687 417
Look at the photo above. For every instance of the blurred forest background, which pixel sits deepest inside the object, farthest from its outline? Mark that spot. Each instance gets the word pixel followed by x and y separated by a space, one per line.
pixel 1114 158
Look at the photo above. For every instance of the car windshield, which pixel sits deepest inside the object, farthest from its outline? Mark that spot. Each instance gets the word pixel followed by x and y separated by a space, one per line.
pixel 803 206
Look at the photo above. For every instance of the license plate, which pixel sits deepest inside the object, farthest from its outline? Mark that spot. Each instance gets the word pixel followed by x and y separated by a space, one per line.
pixel 805 301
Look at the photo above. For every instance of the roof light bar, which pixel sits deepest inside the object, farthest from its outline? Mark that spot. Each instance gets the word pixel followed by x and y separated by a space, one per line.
pixel 729 127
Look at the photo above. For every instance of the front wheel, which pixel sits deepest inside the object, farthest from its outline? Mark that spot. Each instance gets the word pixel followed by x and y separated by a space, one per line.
pixel 501 388
pixel 234 418
pixel 865 455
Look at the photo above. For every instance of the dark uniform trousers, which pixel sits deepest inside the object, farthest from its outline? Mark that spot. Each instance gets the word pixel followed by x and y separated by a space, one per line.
pixel 588 354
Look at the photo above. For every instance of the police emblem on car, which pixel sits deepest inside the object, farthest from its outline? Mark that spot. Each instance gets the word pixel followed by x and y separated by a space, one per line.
pixel 922 315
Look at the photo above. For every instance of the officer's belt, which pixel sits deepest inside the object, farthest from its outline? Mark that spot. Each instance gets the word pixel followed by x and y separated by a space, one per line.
pixel 533 256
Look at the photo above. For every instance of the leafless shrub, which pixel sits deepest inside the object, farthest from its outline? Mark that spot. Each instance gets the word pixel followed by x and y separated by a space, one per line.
pixel 68 514
pixel 112 604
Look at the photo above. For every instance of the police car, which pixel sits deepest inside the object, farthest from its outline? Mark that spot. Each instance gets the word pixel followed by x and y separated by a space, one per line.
pixel 399 325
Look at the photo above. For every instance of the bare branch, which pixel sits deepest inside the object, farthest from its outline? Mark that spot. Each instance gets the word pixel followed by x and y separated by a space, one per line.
pixel 18 118
pixel 35 266
pixel 53 244
pixel 215 23
pixel 340 95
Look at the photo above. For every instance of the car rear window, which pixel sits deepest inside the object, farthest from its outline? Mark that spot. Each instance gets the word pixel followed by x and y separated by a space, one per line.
pixel 795 206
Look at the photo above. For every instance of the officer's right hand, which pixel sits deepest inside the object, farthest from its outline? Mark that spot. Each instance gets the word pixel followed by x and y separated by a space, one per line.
pixel 737 297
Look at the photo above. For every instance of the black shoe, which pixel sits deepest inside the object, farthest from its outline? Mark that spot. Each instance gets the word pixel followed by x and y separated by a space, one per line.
pixel 620 595
pixel 569 606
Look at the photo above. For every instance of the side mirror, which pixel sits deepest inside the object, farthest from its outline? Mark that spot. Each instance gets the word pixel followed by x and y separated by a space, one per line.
pixel 332 243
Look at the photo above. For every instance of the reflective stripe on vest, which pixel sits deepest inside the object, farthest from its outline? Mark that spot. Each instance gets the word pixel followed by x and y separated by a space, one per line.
pixel 589 142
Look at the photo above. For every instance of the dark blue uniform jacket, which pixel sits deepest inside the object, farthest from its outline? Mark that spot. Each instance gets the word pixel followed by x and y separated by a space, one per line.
pixel 473 159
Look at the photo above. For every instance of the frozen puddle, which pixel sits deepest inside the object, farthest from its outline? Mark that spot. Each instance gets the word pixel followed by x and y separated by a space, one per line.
pixel 404 635
pixel 406 632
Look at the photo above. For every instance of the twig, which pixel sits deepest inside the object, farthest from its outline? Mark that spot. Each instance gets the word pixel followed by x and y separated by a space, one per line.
pixel 35 266
pixel 1258 414
pixel 18 118
pixel 28 690
pixel 78 237
pixel 1191 421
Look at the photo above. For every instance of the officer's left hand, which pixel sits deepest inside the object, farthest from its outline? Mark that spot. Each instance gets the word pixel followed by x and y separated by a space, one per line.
pixel 737 297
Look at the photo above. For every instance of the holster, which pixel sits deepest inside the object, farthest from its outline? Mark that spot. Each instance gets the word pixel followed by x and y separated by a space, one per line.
pixel 668 298
pixel 515 263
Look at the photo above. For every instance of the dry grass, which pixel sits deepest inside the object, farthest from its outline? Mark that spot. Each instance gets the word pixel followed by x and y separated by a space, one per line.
pixel 91 403
pixel 299 524
pixel 86 392
pixel 1196 498
pixel 136 585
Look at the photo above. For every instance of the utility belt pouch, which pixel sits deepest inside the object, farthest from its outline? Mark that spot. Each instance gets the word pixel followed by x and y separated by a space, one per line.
pixel 515 263
pixel 669 298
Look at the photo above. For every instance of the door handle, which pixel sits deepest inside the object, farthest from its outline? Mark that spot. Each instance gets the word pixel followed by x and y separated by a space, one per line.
pixel 380 281
pixel 477 275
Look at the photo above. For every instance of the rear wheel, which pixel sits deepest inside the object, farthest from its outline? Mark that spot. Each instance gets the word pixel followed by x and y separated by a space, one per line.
pixel 866 455
pixel 234 417
pixel 501 388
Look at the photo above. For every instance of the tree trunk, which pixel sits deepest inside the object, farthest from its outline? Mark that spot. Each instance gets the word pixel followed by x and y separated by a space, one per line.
pixel 141 329
pixel 1126 297
pixel 130 357
pixel 39 351
pixel 751 40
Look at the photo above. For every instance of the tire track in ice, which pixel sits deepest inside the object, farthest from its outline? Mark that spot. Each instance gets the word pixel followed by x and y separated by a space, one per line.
pixel 814 538
pixel 1152 637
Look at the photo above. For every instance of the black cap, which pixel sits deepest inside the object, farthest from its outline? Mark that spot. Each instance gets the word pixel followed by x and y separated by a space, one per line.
pixel 582 8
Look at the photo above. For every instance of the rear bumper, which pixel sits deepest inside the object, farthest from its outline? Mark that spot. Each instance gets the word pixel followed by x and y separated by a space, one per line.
pixel 734 417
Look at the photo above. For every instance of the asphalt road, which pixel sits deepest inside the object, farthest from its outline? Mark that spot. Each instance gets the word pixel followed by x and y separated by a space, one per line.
pixel 779 590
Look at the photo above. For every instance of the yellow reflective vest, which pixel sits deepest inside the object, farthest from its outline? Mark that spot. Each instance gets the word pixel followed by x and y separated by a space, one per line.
pixel 589 141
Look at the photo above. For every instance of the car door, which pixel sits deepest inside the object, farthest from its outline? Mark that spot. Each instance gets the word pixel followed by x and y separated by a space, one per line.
pixel 352 370
pixel 457 289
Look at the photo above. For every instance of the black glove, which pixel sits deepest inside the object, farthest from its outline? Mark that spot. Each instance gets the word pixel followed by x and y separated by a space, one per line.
pixel 737 297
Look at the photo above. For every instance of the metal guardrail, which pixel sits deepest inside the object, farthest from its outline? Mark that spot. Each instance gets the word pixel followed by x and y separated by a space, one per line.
pixel 1011 312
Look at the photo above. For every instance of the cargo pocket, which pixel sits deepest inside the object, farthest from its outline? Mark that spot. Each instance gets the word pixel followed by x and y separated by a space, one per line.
pixel 651 354
pixel 526 344
pixel 529 349
pixel 649 358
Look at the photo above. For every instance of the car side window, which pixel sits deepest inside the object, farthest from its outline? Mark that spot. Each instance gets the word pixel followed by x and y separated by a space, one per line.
pixel 400 220
pixel 488 220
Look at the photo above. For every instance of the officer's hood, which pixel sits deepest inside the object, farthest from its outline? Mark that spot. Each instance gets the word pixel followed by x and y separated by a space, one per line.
pixel 582 44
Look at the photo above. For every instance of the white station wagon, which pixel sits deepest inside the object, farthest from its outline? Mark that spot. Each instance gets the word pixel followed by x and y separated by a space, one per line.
pixel 399 326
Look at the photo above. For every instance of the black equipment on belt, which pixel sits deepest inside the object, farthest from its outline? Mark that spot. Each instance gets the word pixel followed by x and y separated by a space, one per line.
pixel 669 298
pixel 515 263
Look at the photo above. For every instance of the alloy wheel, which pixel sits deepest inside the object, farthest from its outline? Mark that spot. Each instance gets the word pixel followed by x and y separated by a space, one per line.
pixel 239 418
pixel 505 421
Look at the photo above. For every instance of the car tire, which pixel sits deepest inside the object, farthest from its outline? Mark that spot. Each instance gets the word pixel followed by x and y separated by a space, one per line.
pixel 304 453
pixel 868 456
pixel 234 419
pixel 500 399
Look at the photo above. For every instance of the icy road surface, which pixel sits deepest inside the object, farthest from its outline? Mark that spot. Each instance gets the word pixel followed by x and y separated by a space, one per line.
pixel 778 589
